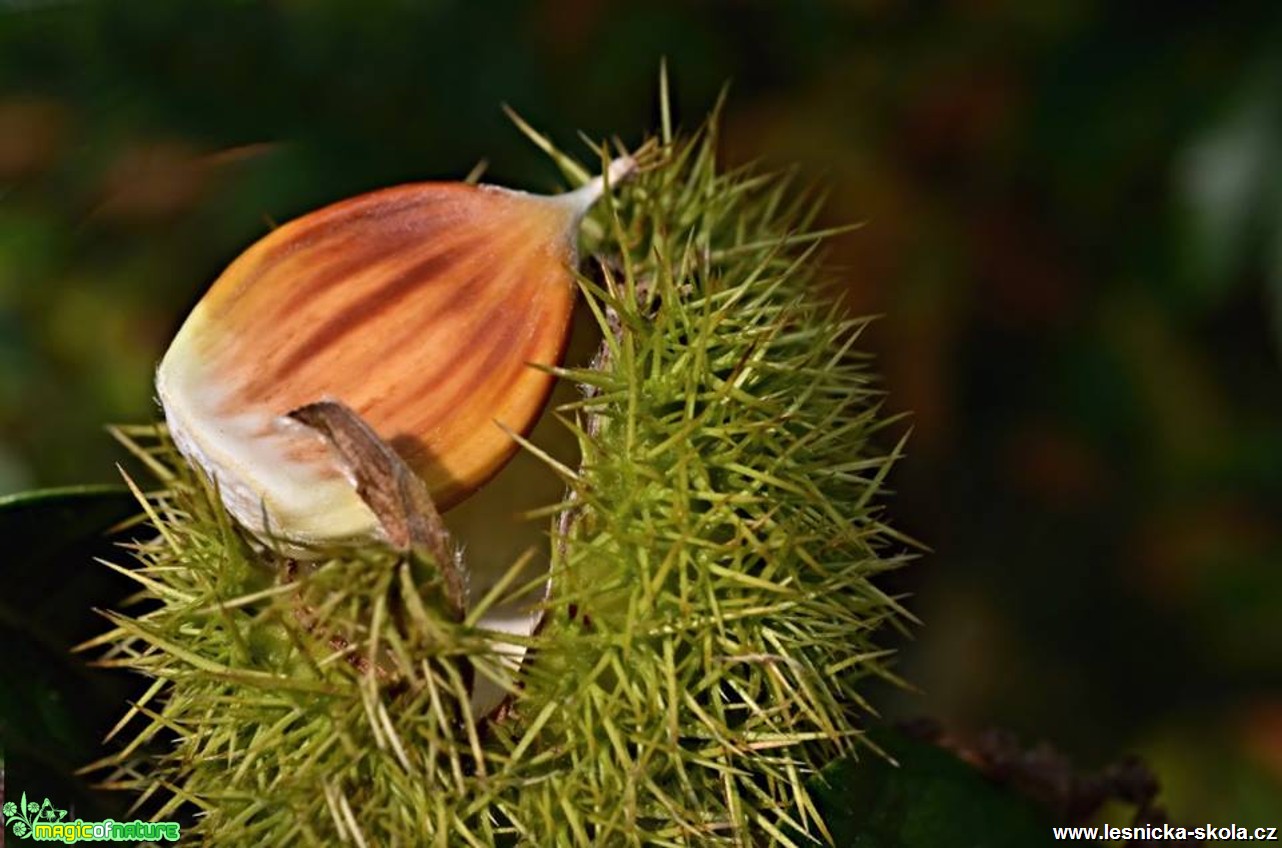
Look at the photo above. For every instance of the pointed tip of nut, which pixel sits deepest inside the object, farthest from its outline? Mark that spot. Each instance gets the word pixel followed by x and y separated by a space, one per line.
pixel 582 198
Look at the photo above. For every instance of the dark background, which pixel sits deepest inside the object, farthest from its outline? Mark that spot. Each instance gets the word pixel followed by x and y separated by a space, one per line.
pixel 1074 231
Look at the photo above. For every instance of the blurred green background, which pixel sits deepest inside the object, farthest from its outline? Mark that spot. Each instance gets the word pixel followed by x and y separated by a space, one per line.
pixel 1074 230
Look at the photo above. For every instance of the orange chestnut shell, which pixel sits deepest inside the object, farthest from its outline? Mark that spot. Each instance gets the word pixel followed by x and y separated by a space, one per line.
pixel 420 307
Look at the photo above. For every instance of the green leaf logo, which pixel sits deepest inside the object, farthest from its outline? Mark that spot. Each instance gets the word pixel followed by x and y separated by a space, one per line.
pixel 23 815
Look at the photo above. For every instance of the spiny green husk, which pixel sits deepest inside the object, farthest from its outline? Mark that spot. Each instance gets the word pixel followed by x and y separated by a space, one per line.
pixel 712 612
pixel 290 703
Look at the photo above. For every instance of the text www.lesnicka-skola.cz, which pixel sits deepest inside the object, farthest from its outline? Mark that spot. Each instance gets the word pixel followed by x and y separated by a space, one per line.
pixel 1174 833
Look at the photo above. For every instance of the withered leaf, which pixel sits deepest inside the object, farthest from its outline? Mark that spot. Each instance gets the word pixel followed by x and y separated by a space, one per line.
pixel 395 494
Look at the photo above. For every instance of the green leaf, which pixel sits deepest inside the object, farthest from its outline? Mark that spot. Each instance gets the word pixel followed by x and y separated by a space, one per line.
pixel 53 708
pixel 39 525
pixel 51 538
pixel 931 799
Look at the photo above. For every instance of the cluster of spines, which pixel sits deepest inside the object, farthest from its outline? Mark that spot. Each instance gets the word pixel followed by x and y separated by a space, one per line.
pixel 712 612
pixel 318 703
pixel 714 605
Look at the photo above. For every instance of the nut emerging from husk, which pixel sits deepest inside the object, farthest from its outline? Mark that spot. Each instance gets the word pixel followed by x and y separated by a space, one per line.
pixel 421 308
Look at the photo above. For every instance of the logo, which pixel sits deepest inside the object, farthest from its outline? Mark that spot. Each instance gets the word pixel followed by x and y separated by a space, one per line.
pixel 43 822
